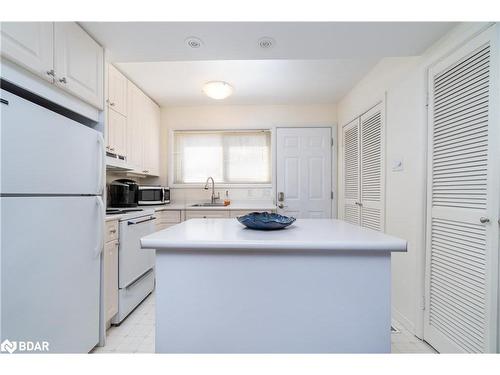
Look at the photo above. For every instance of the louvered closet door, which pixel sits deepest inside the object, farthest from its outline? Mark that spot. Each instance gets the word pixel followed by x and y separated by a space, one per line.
pixel 351 170
pixel 372 169
pixel 462 247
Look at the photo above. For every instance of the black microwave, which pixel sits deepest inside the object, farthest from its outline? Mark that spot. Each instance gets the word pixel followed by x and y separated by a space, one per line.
pixel 151 195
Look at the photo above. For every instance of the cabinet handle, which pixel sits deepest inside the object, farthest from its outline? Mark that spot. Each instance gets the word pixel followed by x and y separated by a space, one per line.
pixel 111 149
pixel 484 220
pixel 145 171
pixel 51 72
pixel 112 231
pixel 111 104
pixel 63 80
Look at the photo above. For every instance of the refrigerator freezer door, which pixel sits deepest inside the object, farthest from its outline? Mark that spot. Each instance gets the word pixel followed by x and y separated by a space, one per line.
pixel 51 271
pixel 43 152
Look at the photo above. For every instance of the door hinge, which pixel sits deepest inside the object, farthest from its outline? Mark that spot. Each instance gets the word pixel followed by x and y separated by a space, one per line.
pixel 422 303
pixel 332 142
pixel 331 195
pixel 427 99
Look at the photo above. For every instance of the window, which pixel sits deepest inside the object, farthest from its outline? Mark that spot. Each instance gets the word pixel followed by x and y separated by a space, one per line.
pixel 232 157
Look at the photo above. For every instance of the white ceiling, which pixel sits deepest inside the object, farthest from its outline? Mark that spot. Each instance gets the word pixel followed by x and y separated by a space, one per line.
pixel 165 41
pixel 311 62
pixel 254 81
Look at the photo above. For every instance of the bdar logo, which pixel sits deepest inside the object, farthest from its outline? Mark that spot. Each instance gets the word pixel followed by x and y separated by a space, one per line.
pixel 8 346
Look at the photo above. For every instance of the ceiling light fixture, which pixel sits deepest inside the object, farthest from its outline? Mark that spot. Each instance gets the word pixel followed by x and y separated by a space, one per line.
pixel 217 89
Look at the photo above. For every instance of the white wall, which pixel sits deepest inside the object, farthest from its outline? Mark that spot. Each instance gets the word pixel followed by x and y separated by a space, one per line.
pixel 403 83
pixel 236 117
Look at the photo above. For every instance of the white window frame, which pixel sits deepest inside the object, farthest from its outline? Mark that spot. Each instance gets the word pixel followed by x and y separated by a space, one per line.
pixel 171 160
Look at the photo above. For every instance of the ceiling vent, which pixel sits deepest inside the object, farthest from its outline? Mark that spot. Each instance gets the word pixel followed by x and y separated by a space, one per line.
pixel 266 42
pixel 194 42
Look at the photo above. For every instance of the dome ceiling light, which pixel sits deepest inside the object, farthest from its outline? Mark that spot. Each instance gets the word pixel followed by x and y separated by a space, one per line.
pixel 217 89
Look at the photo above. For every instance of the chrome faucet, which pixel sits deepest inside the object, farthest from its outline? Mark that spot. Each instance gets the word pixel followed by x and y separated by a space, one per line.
pixel 213 198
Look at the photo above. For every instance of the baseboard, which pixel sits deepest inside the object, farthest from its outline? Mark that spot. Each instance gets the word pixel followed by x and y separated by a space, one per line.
pixel 400 319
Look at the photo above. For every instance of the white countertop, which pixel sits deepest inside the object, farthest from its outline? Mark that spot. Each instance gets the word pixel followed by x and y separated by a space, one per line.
pixel 188 206
pixel 303 235
pixel 235 205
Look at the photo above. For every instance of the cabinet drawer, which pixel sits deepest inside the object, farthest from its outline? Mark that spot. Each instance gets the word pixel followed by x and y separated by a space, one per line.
pixel 168 216
pixel 111 231
pixel 207 214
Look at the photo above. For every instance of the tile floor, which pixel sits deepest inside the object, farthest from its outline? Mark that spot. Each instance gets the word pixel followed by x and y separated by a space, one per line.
pixel 136 334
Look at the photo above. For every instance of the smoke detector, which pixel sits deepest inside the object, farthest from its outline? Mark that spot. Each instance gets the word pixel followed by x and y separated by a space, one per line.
pixel 266 42
pixel 194 42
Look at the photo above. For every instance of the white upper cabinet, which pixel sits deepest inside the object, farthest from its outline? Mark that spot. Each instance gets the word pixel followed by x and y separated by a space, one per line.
pixel 117 135
pixel 117 90
pixel 30 45
pixel 151 138
pixel 136 100
pixel 61 52
pixel 78 63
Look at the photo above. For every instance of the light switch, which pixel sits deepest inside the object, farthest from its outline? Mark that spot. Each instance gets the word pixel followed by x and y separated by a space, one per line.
pixel 397 165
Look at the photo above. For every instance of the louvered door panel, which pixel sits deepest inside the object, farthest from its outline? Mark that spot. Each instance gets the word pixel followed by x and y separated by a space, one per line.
pixel 351 172
pixel 460 294
pixel 372 209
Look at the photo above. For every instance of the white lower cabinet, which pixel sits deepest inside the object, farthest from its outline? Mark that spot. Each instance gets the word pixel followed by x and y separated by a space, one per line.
pixel 236 213
pixel 165 219
pixel 110 260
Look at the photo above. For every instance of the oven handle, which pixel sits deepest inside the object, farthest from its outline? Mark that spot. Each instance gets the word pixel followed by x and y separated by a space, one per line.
pixel 133 222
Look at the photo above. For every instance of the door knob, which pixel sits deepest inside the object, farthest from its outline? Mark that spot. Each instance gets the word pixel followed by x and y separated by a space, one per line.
pixel 281 205
pixel 484 220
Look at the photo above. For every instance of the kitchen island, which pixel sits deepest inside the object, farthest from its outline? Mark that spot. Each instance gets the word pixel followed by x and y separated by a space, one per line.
pixel 318 286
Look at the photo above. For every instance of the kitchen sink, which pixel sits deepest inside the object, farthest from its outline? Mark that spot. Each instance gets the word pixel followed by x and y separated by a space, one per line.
pixel 208 205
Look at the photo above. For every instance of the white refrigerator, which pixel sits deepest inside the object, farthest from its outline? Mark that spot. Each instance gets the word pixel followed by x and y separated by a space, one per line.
pixel 52 221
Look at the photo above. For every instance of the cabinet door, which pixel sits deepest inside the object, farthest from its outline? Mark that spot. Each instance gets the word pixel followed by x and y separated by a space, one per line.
pixel 151 138
pixel 135 134
pixel 351 170
pixel 111 279
pixel 30 45
pixel 117 90
pixel 117 133
pixel 78 63
pixel 372 168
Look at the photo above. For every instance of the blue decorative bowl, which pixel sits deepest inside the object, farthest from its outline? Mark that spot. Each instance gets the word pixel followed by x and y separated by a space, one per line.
pixel 265 221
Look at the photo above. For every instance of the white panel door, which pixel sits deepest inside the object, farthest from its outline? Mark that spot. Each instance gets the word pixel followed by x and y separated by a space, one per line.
pixel 463 206
pixel 304 172
pixel 79 63
pixel 351 172
pixel 43 152
pixel 372 168
pixel 51 271
pixel 30 45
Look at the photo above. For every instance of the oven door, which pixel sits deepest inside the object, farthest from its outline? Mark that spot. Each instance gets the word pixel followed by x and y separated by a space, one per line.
pixel 150 195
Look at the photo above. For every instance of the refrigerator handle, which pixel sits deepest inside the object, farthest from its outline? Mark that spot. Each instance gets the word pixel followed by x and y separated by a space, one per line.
pixel 100 224
pixel 100 143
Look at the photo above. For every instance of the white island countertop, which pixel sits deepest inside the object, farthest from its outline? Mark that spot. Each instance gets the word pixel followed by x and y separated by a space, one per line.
pixel 303 235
